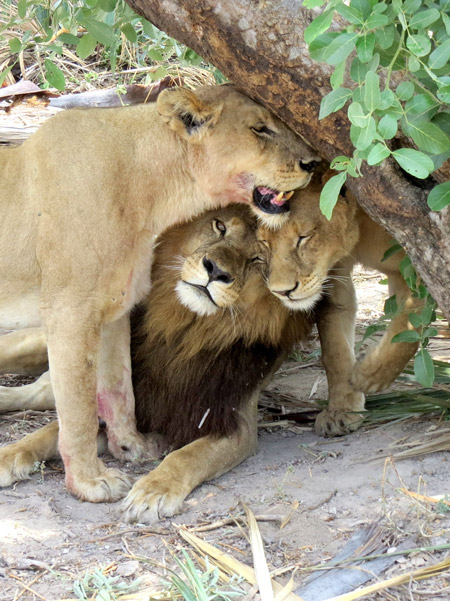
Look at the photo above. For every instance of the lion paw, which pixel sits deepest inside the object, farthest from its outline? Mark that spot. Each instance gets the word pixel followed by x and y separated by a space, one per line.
pixel 136 447
pixel 15 465
pixel 109 486
pixel 152 499
pixel 337 422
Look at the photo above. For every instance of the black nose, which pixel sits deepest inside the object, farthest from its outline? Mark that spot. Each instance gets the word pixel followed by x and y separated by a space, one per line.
pixel 214 272
pixel 308 165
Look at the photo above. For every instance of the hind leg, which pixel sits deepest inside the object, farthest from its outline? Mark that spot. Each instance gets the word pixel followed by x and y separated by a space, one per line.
pixel 24 352
pixel 19 459
pixel 37 396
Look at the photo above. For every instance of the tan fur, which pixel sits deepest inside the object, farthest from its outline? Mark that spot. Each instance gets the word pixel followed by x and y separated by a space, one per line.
pixel 254 317
pixel 302 253
pixel 81 203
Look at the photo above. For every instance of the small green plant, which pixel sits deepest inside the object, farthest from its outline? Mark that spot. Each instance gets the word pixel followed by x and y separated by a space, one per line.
pixel 194 585
pixel 411 36
pixel 105 587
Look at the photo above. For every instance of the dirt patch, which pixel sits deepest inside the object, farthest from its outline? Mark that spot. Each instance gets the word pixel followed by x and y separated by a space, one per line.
pixel 329 488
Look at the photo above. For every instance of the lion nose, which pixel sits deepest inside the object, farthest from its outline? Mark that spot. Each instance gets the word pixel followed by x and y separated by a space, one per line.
pixel 308 165
pixel 286 292
pixel 214 272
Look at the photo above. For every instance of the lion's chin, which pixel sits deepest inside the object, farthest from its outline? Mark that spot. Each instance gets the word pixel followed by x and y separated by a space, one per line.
pixel 302 304
pixel 273 222
pixel 194 299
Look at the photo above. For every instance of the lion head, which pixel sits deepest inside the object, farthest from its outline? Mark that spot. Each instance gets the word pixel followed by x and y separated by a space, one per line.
pixel 260 160
pixel 305 251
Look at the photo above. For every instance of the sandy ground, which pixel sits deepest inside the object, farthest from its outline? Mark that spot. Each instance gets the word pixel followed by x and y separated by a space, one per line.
pixel 328 489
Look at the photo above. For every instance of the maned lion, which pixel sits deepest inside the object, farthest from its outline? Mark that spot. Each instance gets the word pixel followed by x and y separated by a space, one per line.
pixel 301 254
pixel 210 336
pixel 81 203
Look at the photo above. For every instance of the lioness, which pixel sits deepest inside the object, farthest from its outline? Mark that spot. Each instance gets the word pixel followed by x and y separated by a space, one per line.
pixel 81 203
pixel 301 254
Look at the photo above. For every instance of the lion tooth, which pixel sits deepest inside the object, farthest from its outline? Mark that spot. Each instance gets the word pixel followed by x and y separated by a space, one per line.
pixel 279 197
pixel 289 195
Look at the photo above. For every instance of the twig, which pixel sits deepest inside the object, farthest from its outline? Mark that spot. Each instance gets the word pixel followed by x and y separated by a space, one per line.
pixel 26 587
pixel 233 520
pixel 38 577
pixel 128 531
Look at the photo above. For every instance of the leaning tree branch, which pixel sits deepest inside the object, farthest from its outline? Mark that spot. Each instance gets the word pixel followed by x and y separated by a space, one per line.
pixel 259 45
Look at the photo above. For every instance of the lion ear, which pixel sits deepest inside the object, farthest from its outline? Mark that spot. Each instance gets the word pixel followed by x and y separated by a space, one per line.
pixel 188 115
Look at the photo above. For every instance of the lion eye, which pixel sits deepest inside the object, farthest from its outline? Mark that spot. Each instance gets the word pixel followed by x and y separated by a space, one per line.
pixel 220 227
pixel 262 130
pixel 257 260
pixel 301 240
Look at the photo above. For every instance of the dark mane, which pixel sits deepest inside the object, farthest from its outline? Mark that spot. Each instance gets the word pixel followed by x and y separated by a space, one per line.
pixel 186 367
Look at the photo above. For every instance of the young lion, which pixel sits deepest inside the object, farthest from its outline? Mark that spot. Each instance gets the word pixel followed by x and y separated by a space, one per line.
pixel 301 254
pixel 82 201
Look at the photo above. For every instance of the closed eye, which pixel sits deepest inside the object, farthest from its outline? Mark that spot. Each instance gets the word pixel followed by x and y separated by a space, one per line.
pixel 258 260
pixel 302 239
pixel 262 130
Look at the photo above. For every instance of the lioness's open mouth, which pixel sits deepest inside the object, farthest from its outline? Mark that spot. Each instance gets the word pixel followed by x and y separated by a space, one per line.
pixel 271 201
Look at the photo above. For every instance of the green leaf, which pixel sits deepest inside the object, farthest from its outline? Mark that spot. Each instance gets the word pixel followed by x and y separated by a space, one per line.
pixel 446 21
pixel 412 6
pixel 340 48
pixel 330 194
pixel 318 26
pixel 390 306
pixel 385 36
pixel 429 137
pixel 129 32
pixel 102 32
pixel 15 45
pixel 339 163
pixel 378 153
pixel 107 5
pixel 414 162
pixel 424 18
pixel 429 332
pixel 313 3
pixel 364 47
pixel 372 96
pixel 376 20
pixel 405 90
pixel 364 6
pixel 334 101
pixel 420 45
pixel 387 127
pixel 352 14
pixel 413 63
pixel 439 197
pixel 415 320
pixel 337 77
pixel 440 55
pixel 319 47
pixel 54 75
pixel 406 336
pixel 444 94
pixel 356 115
pixel 69 39
pixel 392 250
pixel 22 8
pixel 387 99
pixel 86 46
pixel 424 368
pixel 366 135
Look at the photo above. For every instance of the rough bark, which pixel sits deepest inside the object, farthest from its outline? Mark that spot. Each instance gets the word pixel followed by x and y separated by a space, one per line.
pixel 258 44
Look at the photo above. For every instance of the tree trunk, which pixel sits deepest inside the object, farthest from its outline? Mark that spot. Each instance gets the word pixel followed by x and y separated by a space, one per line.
pixel 258 44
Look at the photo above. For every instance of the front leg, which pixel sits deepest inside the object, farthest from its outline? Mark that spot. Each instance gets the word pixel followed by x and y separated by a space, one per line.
pixel 161 492
pixel 115 396
pixel 336 326
pixel 73 337
pixel 384 361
